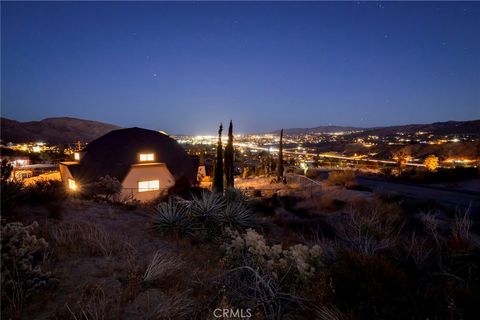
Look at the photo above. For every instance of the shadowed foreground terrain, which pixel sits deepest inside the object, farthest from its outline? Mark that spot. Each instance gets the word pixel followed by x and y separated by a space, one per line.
pixel 329 254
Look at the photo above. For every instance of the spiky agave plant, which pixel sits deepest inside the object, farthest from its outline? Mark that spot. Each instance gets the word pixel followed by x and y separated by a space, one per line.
pixel 207 205
pixel 206 208
pixel 173 218
pixel 236 215
pixel 236 195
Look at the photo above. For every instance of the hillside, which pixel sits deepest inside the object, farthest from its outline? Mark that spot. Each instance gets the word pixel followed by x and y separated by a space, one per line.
pixel 448 127
pixel 53 130
pixel 320 129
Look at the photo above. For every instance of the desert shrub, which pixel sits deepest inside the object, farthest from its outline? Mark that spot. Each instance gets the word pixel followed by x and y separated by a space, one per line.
pixel 21 272
pixel 236 195
pixel 6 169
pixel 46 191
pixel 11 192
pixel 173 217
pixel 206 208
pixel 207 212
pixel 368 230
pixel 328 202
pixel 236 215
pixel 108 186
pixel 251 248
pixel 268 275
pixel 342 178
pixel 314 174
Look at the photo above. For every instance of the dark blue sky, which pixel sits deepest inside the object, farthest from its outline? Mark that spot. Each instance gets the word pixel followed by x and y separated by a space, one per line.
pixel 185 67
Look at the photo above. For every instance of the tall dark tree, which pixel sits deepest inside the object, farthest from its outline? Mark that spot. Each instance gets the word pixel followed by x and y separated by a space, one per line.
pixel 280 158
pixel 229 158
pixel 316 159
pixel 201 159
pixel 218 177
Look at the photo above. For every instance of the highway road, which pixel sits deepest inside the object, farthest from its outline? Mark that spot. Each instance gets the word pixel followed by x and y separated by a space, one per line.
pixel 450 197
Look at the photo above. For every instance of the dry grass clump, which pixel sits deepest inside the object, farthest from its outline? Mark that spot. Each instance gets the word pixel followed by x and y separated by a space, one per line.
pixel 367 231
pixel 328 312
pixel 461 237
pixel 179 306
pixel 93 304
pixel 161 266
pixel 82 237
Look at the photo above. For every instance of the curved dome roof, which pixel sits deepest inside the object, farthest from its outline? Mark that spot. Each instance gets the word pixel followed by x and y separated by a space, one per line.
pixel 115 152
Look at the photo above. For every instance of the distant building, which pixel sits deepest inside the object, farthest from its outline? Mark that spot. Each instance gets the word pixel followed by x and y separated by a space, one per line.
pixel 146 162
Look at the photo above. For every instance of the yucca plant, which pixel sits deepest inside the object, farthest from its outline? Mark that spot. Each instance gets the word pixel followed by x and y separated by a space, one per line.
pixel 236 215
pixel 207 206
pixel 236 195
pixel 173 218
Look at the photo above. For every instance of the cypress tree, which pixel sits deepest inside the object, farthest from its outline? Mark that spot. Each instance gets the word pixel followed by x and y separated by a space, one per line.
pixel 280 158
pixel 218 177
pixel 201 159
pixel 229 158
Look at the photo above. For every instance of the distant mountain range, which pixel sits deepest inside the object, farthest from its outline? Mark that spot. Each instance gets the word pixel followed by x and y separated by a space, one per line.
pixel 69 130
pixel 321 129
pixel 448 127
pixel 53 130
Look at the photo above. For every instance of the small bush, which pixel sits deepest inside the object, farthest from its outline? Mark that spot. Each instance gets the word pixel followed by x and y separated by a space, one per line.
pixel 10 194
pixel 21 272
pixel 251 247
pixel 108 186
pixel 46 191
pixel 343 178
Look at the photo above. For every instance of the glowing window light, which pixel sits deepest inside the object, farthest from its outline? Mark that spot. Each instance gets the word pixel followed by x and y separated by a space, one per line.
pixel 147 156
pixel 76 156
pixel 71 184
pixel 151 185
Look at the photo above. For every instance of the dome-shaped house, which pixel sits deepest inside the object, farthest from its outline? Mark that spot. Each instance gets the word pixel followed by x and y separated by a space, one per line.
pixel 146 162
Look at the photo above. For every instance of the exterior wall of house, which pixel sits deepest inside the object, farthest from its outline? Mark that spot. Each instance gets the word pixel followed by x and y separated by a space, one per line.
pixel 146 172
pixel 65 173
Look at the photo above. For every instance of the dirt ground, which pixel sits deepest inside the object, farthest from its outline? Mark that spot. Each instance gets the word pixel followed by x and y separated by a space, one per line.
pixel 101 248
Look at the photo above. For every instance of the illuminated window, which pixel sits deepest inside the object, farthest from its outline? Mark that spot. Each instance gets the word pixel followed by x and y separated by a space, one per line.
pixel 148 185
pixel 71 184
pixel 76 156
pixel 147 156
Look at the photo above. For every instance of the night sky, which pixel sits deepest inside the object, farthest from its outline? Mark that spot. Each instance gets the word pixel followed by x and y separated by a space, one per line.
pixel 185 67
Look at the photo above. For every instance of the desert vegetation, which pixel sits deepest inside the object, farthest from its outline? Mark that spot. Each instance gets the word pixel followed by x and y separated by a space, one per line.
pixel 281 257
